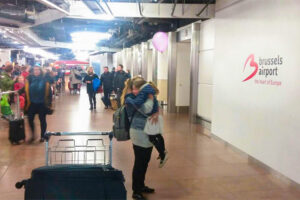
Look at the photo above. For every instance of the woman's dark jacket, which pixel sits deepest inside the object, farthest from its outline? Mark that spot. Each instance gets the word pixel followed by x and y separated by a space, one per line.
pixel 89 86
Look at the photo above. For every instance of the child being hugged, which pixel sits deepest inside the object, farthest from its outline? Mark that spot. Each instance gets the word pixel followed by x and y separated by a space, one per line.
pixel 142 91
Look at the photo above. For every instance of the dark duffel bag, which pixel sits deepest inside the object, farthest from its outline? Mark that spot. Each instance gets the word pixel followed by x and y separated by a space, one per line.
pixel 74 182
pixel 16 131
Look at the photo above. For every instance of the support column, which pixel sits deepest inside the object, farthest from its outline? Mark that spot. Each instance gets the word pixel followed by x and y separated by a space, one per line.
pixel 135 69
pixel 144 50
pixel 172 65
pixel 154 66
pixel 195 48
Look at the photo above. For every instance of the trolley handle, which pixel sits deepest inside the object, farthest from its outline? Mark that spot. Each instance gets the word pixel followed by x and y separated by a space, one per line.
pixel 49 134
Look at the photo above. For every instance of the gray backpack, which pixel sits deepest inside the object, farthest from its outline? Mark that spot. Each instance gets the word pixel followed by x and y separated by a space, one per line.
pixel 121 124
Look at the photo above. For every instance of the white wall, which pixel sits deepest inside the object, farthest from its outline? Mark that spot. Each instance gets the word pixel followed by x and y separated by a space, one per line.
pixel 205 79
pixel 260 119
pixel 162 65
pixel 183 74
pixel 104 59
pixel 4 56
pixel 117 58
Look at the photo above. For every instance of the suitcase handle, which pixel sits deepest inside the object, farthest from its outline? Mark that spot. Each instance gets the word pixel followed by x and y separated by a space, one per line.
pixel 19 185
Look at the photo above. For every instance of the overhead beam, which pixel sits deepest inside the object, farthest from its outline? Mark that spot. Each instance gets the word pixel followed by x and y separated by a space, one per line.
pixel 154 10
pixel 52 5
pixel 48 16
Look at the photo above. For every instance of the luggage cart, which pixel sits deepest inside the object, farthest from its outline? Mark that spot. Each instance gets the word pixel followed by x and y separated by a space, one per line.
pixel 68 151
pixel 76 171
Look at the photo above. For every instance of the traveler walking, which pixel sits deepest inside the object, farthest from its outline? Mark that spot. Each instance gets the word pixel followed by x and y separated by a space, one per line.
pixel 88 79
pixel 119 82
pixel 106 81
pixel 38 100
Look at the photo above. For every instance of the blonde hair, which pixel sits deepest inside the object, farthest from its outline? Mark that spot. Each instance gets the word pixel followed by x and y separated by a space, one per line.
pixel 137 82
pixel 128 85
pixel 88 69
pixel 154 87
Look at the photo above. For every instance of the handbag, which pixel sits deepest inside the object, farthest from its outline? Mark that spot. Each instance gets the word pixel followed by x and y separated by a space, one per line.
pixel 153 128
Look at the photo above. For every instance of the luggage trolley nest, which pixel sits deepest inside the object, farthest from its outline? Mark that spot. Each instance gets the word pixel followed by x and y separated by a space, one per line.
pixel 76 169
pixel 90 151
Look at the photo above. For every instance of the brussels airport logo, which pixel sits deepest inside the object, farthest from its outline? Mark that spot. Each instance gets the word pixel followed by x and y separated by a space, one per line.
pixel 264 72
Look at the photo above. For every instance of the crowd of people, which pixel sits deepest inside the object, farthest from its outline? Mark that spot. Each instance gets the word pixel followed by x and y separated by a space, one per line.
pixel 37 86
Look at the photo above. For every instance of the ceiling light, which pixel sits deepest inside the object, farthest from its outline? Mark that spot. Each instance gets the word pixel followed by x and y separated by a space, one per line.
pixel 88 36
pixel 87 40
pixel 40 52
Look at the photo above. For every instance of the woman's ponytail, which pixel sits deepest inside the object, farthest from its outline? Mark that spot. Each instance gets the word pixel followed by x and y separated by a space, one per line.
pixel 154 87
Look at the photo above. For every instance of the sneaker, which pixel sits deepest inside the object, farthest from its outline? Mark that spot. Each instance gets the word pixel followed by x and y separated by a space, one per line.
pixel 91 108
pixel 163 162
pixel 138 196
pixel 42 140
pixel 148 190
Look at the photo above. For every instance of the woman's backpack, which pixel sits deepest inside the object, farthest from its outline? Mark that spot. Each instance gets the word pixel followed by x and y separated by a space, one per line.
pixel 96 84
pixel 121 124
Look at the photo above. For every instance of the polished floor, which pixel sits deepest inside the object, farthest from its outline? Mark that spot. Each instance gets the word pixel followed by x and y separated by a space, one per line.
pixel 200 167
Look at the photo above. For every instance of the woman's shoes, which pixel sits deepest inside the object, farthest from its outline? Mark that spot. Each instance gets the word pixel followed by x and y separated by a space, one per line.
pixel 138 196
pixel 162 162
pixel 42 140
pixel 146 189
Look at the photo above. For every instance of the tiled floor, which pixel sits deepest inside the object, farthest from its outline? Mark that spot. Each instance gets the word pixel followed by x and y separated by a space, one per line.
pixel 200 167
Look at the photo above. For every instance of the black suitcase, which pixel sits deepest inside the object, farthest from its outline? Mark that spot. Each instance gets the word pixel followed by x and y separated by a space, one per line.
pixel 74 182
pixel 16 131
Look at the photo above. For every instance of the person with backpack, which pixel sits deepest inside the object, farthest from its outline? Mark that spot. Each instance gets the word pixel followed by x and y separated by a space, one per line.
pixel 142 146
pixel 142 91
pixel 89 79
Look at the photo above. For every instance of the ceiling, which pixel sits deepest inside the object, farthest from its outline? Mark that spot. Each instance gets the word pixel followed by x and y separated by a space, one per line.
pixel 25 22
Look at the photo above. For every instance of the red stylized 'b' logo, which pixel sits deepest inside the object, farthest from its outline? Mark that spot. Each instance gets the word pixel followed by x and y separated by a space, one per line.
pixel 252 64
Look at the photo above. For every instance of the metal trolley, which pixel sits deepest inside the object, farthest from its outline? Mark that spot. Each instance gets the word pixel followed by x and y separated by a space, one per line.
pixel 89 151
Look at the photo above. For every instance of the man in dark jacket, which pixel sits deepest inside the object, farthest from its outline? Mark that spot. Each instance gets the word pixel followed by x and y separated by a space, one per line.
pixel 107 84
pixel 119 82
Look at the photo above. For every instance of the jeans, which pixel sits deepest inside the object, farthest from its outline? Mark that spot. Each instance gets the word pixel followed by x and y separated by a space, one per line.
pixel 141 159
pixel 41 110
pixel 92 98
pixel 106 99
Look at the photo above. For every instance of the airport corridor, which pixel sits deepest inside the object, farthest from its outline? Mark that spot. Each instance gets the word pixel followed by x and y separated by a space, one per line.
pixel 200 166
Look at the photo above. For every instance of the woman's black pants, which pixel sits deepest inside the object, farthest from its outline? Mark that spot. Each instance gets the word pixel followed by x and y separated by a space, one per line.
pixel 37 108
pixel 92 98
pixel 142 157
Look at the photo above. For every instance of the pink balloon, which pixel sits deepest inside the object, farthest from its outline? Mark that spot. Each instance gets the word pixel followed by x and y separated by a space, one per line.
pixel 160 41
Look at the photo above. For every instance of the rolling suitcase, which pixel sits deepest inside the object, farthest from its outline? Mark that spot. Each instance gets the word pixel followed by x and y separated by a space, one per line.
pixel 16 130
pixel 113 101
pixel 75 182
pixel 80 180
